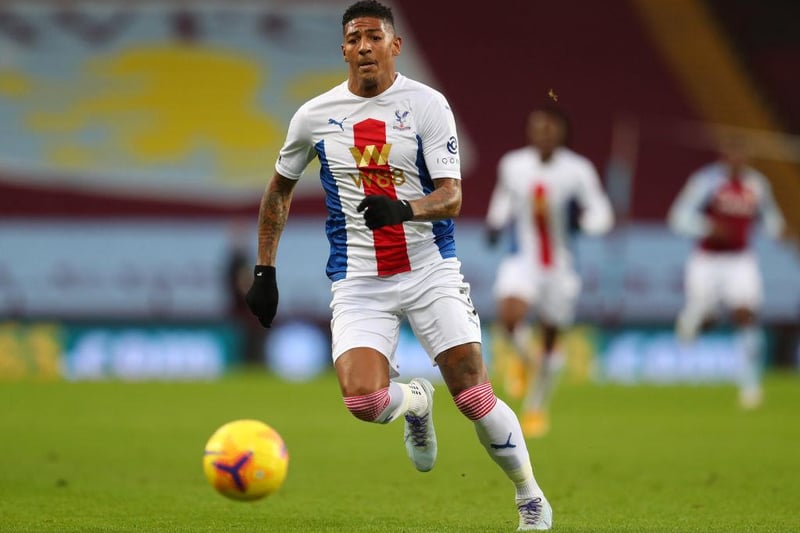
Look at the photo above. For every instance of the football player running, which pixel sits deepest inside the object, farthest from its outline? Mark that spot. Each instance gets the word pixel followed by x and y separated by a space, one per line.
pixel 541 189
pixel 388 151
pixel 718 206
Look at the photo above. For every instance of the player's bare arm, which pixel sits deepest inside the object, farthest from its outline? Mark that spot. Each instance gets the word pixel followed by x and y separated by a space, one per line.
pixel 262 298
pixel 443 202
pixel 272 215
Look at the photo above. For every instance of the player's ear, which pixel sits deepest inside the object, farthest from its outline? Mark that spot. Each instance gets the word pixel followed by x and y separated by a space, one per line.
pixel 344 56
pixel 397 43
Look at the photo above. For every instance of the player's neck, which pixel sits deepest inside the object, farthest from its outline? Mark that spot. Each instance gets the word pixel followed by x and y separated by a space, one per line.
pixel 373 87
pixel 735 172
pixel 546 156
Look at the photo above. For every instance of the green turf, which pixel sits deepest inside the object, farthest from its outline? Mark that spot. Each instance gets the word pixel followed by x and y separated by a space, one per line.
pixel 127 457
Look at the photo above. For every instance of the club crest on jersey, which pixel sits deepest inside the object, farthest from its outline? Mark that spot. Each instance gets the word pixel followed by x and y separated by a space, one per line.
pixel 400 119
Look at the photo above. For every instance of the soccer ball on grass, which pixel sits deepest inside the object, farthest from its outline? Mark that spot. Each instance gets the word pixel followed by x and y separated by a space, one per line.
pixel 245 460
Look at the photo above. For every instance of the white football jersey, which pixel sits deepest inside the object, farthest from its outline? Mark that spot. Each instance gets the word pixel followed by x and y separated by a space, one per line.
pixel 713 196
pixel 393 144
pixel 534 196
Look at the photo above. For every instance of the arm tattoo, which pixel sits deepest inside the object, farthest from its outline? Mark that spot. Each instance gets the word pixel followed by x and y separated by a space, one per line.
pixel 272 215
pixel 443 202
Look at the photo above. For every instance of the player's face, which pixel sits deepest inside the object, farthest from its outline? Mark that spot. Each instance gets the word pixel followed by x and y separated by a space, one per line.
pixel 369 48
pixel 545 131
pixel 734 152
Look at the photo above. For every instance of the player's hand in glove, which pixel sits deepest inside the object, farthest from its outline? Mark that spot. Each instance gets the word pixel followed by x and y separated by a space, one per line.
pixel 383 211
pixel 262 298
pixel 493 236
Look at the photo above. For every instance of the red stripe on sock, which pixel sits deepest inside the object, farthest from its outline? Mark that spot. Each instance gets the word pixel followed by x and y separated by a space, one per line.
pixel 368 406
pixel 476 402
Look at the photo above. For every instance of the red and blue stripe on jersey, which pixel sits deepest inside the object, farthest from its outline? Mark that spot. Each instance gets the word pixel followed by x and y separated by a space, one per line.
pixel 391 253
pixel 389 242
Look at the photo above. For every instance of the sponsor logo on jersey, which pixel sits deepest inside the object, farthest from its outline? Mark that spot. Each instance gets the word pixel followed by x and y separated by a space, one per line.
pixel 450 160
pixel 452 145
pixel 373 167
pixel 340 123
pixel 539 200
pixel 738 203
pixel 379 178
pixel 371 154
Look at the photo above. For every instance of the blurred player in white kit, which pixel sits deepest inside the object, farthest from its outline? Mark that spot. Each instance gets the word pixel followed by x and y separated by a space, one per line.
pixel 537 185
pixel 719 205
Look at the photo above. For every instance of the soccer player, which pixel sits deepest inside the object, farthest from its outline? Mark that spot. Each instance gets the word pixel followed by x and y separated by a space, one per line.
pixel 538 188
pixel 389 156
pixel 719 205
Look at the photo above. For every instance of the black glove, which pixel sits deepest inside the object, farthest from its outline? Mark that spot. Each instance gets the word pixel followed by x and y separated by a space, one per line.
pixel 574 212
pixel 383 211
pixel 493 236
pixel 262 298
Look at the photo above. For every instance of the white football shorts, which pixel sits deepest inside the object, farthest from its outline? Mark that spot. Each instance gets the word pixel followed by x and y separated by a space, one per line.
pixel 367 311
pixel 552 293
pixel 729 279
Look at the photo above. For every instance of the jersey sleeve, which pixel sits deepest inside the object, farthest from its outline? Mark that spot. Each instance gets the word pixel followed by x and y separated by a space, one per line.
pixel 439 139
pixel 686 213
pixel 501 202
pixel 298 150
pixel 774 222
pixel 597 216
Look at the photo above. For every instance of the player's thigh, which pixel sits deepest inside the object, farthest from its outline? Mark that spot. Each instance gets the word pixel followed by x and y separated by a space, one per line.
pixel 742 284
pixel 364 315
pixel 701 281
pixel 440 310
pixel 511 310
pixel 362 371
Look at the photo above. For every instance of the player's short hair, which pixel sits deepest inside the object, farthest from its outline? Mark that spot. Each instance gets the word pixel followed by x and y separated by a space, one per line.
pixel 557 112
pixel 368 8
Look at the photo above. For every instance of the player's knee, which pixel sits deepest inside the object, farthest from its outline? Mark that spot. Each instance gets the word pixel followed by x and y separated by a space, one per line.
pixel 508 326
pixel 476 402
pixel 743 316
pixel 367 407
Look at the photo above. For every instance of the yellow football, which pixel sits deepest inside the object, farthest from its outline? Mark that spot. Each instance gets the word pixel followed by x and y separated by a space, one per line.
pixel 245 460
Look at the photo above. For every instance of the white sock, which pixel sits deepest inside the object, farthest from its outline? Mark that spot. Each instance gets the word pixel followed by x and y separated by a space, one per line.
pixel 751 345
pixel 687 326
pixel 403 398
pixel 541 389
pixel 521 339
pixel 500 433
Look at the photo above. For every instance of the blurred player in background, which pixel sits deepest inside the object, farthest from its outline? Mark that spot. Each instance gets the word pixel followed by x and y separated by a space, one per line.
pixel 541 190
pixel 388 150
pixel 238 277
pixel 719 205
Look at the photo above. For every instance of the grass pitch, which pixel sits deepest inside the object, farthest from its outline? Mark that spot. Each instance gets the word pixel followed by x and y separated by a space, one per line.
pixel 113 457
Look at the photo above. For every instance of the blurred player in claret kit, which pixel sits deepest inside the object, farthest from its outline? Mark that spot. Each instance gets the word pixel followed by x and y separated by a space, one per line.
pixel 542 189
pixel 388 150
pixel 719 205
